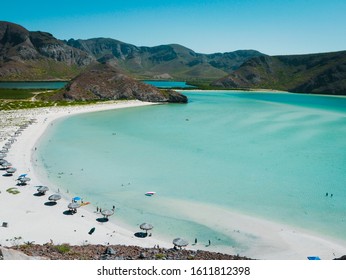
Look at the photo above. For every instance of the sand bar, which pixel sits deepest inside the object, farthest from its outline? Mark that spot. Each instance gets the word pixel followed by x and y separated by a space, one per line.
pixel 30 219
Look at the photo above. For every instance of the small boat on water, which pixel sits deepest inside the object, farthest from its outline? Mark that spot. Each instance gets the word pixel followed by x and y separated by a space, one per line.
pixel 150 193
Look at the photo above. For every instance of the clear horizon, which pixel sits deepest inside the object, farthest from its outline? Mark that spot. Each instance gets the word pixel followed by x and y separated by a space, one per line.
pixel 273 28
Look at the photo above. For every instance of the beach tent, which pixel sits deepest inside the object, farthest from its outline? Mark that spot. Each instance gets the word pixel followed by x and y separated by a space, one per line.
pixel 77 199
pixel 313 258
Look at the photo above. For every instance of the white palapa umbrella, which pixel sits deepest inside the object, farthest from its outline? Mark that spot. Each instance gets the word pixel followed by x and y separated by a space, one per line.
pixel 106 213
pixel 180 242
pixel 42 189
pixel 146 227
pixel 54 197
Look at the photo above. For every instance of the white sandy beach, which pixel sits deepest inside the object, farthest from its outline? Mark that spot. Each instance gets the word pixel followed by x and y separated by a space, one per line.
pixel 30 220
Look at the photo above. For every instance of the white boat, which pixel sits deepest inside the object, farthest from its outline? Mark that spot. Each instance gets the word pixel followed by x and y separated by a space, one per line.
pixel 150 193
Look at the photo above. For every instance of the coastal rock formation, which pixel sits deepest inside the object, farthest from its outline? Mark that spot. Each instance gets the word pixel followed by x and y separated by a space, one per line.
pixel 107 82
pixel 315 73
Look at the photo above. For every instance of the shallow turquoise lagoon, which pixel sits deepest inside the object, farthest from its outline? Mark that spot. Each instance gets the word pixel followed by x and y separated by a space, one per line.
pixel 273 156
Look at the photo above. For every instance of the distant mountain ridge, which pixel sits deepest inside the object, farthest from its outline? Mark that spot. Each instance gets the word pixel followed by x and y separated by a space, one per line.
pixel 323 73
pixel 27 55
pixel 174 61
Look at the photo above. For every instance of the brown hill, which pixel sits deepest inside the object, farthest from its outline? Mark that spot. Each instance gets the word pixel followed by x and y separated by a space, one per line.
pixel 107 82
pixel 312 73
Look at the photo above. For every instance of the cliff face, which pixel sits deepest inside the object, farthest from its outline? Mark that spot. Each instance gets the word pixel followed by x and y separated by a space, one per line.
pixel 316 73
pixel 106 82
pixel 26 55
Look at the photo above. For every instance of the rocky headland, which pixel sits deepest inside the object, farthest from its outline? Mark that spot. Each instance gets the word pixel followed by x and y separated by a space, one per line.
pixel 103 81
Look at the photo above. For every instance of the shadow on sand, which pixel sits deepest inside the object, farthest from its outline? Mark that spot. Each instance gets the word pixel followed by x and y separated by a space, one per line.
pixel 68 212
pixel 50 203
pixel 38 194
pixel 102 220
pixel 141 234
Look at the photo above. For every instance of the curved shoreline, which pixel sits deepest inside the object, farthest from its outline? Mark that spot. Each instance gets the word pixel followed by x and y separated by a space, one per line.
pixel 30 220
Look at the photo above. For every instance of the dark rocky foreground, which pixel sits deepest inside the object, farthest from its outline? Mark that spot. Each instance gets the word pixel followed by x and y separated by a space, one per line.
pixel 117 252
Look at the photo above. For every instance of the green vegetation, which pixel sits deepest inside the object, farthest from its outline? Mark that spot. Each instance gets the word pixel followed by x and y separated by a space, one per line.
pixel 160 256
pixel 14 99
pixel 62 248
pixel 8 93
pixel 13 190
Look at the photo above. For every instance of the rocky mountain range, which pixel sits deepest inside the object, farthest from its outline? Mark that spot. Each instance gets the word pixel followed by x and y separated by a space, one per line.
pixel 166 61
pixel 28 55
pixel 323 73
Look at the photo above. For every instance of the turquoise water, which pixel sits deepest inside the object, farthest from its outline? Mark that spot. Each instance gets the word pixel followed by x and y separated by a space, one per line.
pixel 33 85
pixel 168 84
pixel 273 156
pixel 58 84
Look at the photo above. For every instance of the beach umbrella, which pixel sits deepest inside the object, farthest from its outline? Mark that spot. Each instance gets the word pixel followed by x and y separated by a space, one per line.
pixel 24 179
pixel 179 242
pixel 54 197
pixel 42 189
pixel 6 164
pixel 146 227
pixel 2 156
pixel 106 213
pixel 2 161
pixel 11 170
pixel 73 206
pixel 22 175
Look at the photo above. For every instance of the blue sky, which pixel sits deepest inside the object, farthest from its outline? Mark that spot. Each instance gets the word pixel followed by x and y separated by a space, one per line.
pixel 272 27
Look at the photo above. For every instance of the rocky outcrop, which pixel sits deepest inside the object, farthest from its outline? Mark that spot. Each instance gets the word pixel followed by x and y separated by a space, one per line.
pixel 118 252
pixel 107 82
